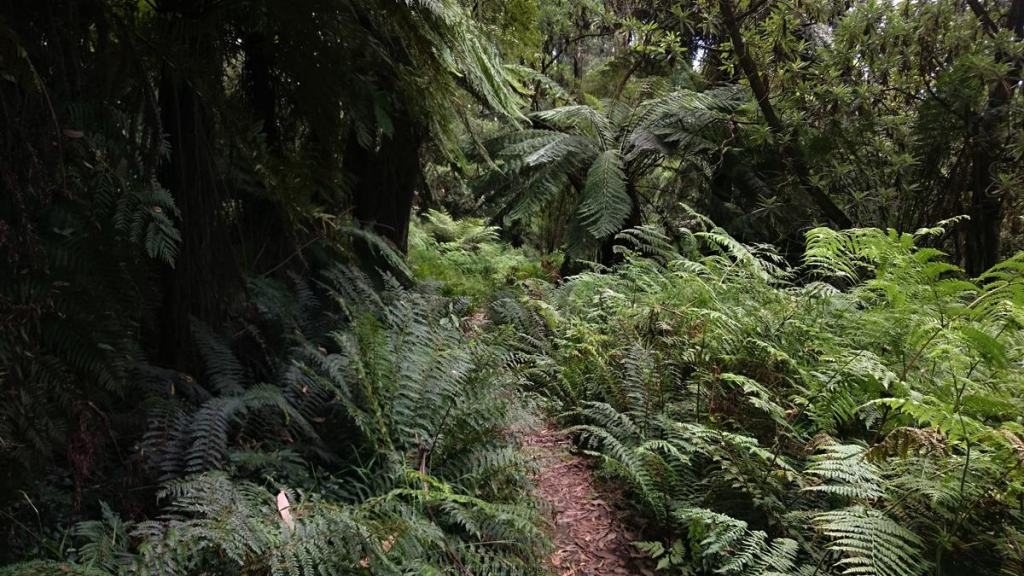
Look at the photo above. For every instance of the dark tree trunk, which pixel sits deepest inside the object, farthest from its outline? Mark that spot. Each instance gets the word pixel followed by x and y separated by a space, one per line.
pixel 266 233
pixel 791 145
pixel 192 285
pixel 258 77
pixel 986 212
pixel 386 180
pixel 986 207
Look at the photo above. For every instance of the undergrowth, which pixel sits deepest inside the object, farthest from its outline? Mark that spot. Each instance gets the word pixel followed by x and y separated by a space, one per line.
pixel 857 414
pixel 466 258
pixel 378 444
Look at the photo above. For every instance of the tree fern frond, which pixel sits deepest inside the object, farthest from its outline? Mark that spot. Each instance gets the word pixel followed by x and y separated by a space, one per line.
pixel 606 205
pixel 580 118
pixel 222 368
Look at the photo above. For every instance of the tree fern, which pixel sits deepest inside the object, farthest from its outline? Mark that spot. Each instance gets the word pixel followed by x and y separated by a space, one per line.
pixel 606 205
pixel 602 158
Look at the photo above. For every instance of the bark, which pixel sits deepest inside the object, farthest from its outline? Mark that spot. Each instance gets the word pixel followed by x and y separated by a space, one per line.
pixel 983 247
pixel 986 208
pixel 266 236
pixel 191 287
pixel 386 179
pixel 258 77
pixel 791 147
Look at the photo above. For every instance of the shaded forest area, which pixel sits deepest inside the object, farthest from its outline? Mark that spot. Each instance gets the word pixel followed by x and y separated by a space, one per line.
pixel 283 282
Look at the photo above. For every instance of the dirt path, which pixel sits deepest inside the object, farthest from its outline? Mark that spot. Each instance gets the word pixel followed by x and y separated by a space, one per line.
pixel 590 536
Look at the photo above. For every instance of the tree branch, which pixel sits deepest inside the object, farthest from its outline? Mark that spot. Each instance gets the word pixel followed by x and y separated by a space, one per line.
pixel 791 147
pixel 986 21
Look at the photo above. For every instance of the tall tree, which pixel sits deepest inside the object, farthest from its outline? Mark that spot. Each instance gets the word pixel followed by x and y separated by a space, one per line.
pixel 788 135
pixel 989 140
pixel 189 83
pixel 165 166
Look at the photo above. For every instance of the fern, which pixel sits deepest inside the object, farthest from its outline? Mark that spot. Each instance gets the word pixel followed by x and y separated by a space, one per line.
pixel 726 546
pixel 871 543
pixel 845 472
pixel 857 418
pixel 606 205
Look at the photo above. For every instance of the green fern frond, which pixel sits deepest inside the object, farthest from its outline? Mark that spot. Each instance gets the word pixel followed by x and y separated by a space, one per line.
pixel 871 543
pixel 606 205
pixel 845 472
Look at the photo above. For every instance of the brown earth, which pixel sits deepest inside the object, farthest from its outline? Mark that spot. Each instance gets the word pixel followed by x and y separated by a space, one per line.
pixel 591 534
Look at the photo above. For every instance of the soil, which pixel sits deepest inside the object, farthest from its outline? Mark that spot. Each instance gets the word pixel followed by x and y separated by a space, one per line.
pixel 591 531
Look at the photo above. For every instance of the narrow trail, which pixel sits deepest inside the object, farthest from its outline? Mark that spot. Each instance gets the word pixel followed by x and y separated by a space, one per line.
pixel 590 535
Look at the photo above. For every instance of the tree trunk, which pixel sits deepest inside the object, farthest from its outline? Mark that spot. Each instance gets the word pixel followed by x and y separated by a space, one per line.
pixel 386 179
pixel 791 145
pixel 191 286
pixel 200 274
pixel 986 207
pixel 266 234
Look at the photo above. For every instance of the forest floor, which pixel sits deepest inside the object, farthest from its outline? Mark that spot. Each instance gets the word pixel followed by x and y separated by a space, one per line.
pixel 591 532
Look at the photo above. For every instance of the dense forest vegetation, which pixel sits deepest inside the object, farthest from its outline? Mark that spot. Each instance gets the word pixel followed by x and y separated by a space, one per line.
pixel 284 283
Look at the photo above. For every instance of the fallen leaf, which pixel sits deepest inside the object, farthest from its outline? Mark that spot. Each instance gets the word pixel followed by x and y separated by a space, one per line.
pixel 283 507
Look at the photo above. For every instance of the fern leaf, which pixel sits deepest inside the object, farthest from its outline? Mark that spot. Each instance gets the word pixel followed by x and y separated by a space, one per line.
pixel 871 543
pixel 606 205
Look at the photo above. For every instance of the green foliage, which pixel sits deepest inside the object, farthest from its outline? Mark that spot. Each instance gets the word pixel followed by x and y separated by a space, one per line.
pixel 849 423
pixel 184 344
pixel 386 441
pixel 44 568
pixel 178 194
pixel 603 161
pixel 870 542
pixel 466 257
pixel 926 130
pixel 730 547
pixel 606 205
